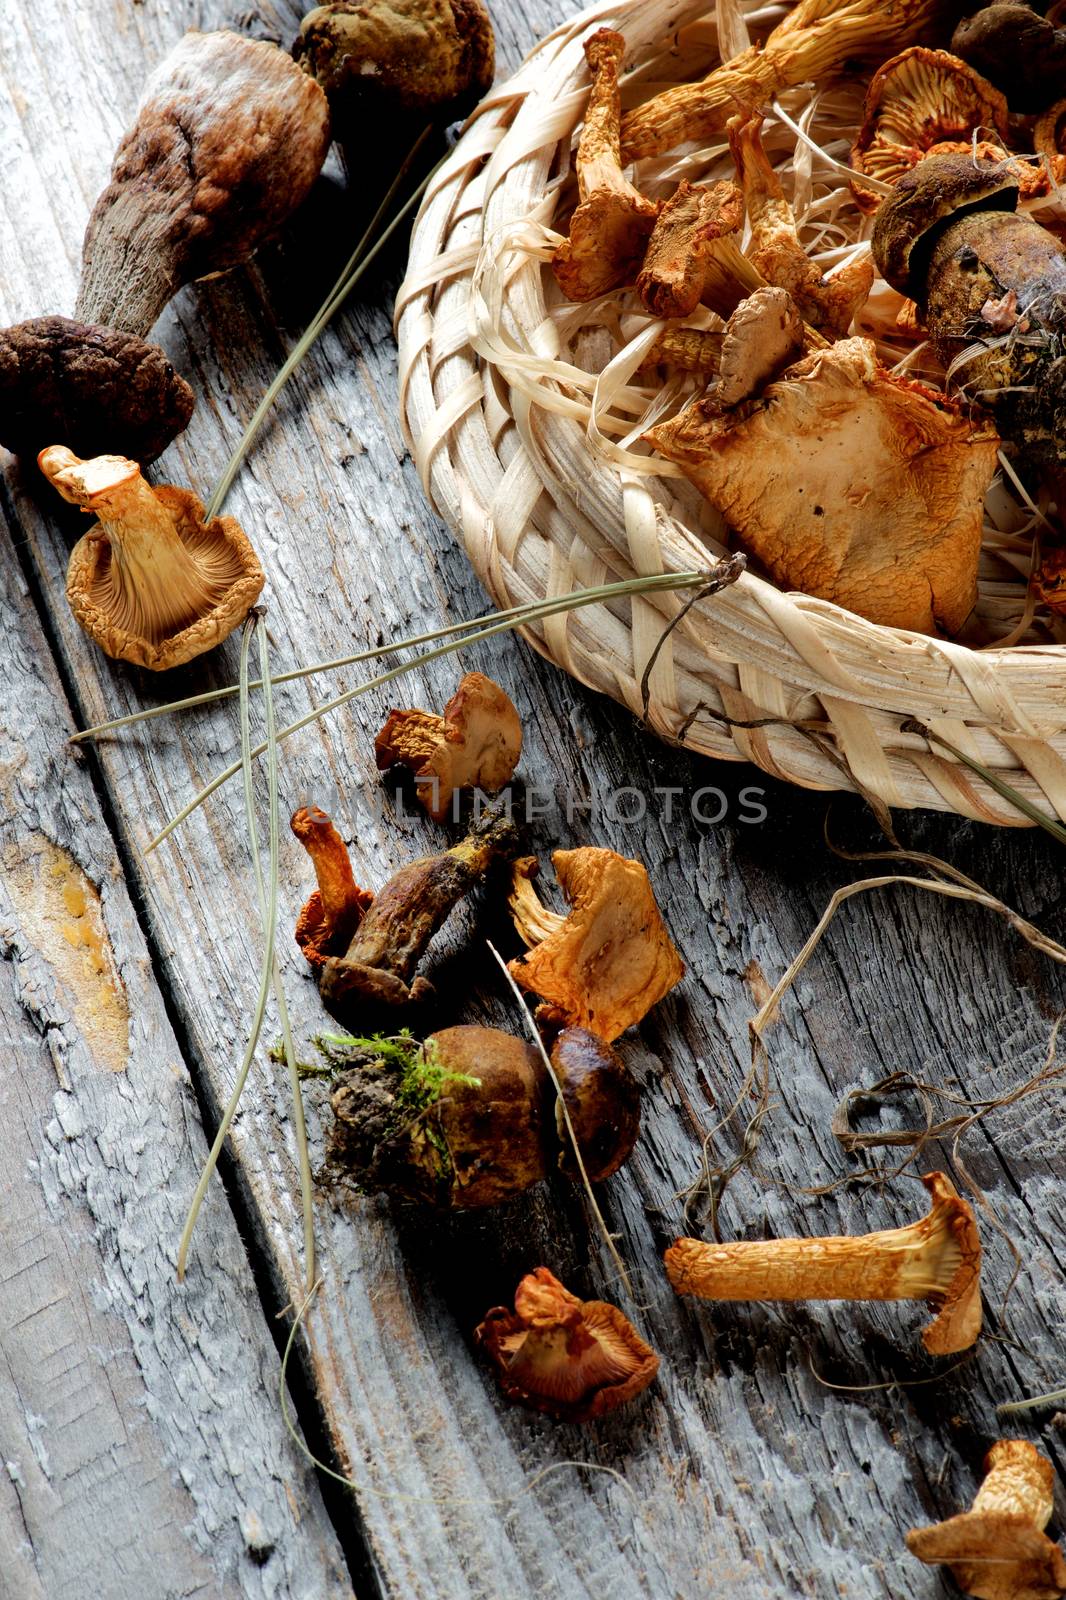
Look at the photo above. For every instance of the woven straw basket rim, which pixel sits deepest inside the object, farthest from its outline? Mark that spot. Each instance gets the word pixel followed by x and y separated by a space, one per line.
pixel 540 514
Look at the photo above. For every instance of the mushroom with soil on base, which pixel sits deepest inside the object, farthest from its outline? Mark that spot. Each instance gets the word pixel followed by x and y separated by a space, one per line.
pixel 612 222
pixel 610 959
pixel 937 1260
pixel 151 582
pixel 998 1550
pixel 850 484
pixel 571 1359
pixel 474 744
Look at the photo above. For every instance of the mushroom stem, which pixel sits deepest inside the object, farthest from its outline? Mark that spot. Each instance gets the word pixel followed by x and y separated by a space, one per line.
pixel 121 288
pixel 330 918
pixel 532 919
pixel 936 1259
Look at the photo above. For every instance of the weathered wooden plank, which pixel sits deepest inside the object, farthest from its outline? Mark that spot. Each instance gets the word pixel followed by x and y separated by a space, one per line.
pixel 742 1473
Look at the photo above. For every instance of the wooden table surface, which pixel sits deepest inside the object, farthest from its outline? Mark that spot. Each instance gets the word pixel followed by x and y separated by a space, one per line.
pixel 783 1450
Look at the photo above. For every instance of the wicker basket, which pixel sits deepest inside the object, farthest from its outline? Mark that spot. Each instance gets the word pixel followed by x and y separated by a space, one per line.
pixel 507 455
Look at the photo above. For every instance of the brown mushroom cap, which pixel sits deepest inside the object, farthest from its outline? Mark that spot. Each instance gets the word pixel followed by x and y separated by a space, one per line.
pixel 494 1130
pixel 603 1101
pixel 569 1358
pixel 926 198
pixel 151 582
pixel 96 387
pixel 382 60
pixel 1023 53
pixel 474 744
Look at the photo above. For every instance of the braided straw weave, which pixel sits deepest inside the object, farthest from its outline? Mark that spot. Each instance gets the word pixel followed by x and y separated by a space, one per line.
pixel 519 436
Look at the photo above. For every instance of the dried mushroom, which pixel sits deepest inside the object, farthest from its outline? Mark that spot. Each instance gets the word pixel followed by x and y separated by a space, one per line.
pixel 465 1119
pixel 151 582
pixel 378 967
pixel 998 1550
pixel 612 222
pixel 229 137
pixel 917 101
pixel 815 38
pixel 951 239
pixel 937 1260
pixel 1021 52
pixel 827 303
pixel 694 254
pixel 850 484
pixel 328 921
pixel 1049 581
pixel 474 744
pixel 610 959
pixel 572 1359
pixel 1049 139
pixel 764 334
pixel 96 387
pixel 390 67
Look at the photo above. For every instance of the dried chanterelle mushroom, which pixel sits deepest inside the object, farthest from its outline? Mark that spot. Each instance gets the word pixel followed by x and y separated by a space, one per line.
pixel 474 744
pixel 151 582
pixel 465 1119
pixel 850 484
pixel 694 256
pixel 572 1359
pixel 328 921
pixel 937 1260
pixel 612 222
pixel 998 1550
pixel 395 66
pixel 610 959
pixel 991 285
pixel 815 37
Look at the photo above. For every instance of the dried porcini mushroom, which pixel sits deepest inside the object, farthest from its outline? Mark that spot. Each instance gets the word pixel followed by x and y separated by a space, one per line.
pixel 474 744
pixel 850 484
pixel 610 959
pixel 602 1101
pixel 389 67
pixel 378 968
pixel 828 303
pixel 937 1260
pixel 328 921
pixel 96 387
pixel 998 1550
pixel 918 100
pixel 694 253
pixel 228 139
pixel 764 334
pixel 815 37
pixel 572 1359
pixel 1049 139
pixel 612 222
pixel 1021 52
pixel 151 582
pixel 950 238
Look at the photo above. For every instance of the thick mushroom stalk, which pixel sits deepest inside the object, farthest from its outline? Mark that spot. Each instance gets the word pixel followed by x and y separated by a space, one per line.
pixel 605 964
pixel 229 137
pixel 610 227
pixel 998 1550
pixel 328 921
pixel 826 303
pixel 379 965
pixel 572 1359
pixel 474 744
pixel 694 253
pixel 815 38
pixel 151 583
pixel 849 484
pixel 937 1260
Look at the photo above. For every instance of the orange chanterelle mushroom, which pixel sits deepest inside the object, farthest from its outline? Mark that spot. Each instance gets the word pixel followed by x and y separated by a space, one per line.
pixel 850 484
pixel 474 744
pixel 573 1359
pixel 610 960
pixel 151 582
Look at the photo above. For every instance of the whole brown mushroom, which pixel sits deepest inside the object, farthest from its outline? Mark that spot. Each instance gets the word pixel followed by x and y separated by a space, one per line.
pixel 1017 49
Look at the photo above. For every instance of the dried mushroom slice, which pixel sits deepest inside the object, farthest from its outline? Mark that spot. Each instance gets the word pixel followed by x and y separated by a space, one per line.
pixel 918 101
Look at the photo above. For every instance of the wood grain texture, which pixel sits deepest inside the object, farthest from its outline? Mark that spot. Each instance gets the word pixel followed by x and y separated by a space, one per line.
pixel 740 1472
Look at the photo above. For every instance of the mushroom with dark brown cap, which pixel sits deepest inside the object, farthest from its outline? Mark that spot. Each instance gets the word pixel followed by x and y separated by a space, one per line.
pixel 915 101
pixel 474 744
pixel 390 67
pixel 612 222
pixel 569 1358
pixel 327 923
pixel 151 582
pixel 1017 49
pixel 610 959
pixel 998 1550
pixel 951 239
pixel 602 1102
pixel 228 139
